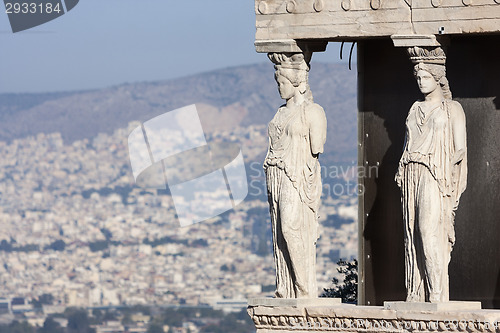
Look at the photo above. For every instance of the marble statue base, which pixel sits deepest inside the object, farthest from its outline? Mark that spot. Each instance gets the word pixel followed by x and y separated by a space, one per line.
pixel 294 302
pixel 425 306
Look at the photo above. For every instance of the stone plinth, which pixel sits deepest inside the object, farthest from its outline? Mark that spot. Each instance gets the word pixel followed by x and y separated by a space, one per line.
pixel 293 302
pixel 352 318
pixel 444 306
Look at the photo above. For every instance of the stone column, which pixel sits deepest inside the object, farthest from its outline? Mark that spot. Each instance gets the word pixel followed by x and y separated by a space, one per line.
pixel 297 134
pixel 432 173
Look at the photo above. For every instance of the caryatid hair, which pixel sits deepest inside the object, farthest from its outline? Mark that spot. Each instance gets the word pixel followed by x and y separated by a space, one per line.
pixel 431 60
pixel 294 67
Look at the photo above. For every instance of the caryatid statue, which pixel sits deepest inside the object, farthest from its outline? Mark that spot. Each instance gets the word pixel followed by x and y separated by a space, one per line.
pixel 432 175
pixel 297 134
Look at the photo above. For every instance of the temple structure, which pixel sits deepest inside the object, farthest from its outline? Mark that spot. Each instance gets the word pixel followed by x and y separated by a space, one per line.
pixel 469 32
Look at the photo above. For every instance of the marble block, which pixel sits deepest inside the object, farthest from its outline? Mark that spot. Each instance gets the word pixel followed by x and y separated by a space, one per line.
pixel 425 306
pixel 294 302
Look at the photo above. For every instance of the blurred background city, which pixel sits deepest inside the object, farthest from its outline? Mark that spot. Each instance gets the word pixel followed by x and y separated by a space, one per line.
pixel 82 248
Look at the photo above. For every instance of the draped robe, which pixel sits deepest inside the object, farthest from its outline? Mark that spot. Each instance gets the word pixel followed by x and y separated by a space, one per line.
pixel 431 186
pixel 294 188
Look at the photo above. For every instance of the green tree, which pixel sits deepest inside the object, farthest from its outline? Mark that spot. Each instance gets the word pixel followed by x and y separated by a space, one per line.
pixel 172 318
pixel 109 315
pixel 107 233
pixel 58 245
pixel 238 322
pixel 348 290
pixel 155 328
pixel 47 299
pixel 5 246
pixel 78 321
pixel 97 316
pixel 127 319
pixel 50 326
pixel 99 245
pixel 17 327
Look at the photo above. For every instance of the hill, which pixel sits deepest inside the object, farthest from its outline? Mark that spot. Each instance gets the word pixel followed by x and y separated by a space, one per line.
pixel 231 97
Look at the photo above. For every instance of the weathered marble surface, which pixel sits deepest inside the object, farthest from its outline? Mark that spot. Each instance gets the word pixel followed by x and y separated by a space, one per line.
pixel 293 302
pixel 432 175
pixel 338 20
pixel 351 318
pixel 425 306
pixel 297 134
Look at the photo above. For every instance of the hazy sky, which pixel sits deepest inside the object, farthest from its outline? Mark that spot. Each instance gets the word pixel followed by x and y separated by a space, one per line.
pixel 107 42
